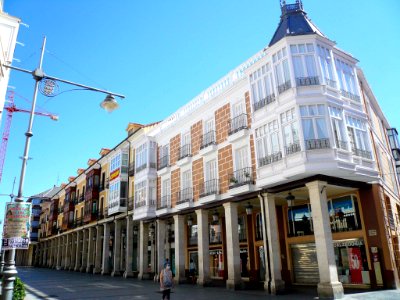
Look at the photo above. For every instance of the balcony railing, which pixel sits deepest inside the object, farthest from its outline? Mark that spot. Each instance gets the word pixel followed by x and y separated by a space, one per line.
pixel 317 144
pixel 284 87
pixel 341 144
pixel 350 95
pixel 142 203
pixel 141 167
pixel 208 139
pixel 238 123
pixel 263 102
pixel 163 162
pixel 165 202
pixel 331 83
pixel 263 161
pixel 185 151
pixel 241 177
pixel 292 148
pixel 131 203
pixel 215 238
pixel 184 196
pixel 361 152
pixel 131 170
pixel 306 81
pixel 209 187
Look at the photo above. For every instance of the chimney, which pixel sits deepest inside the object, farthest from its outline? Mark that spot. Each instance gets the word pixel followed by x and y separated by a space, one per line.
pixel 104 151
pixel 91 161
pixel 80 171
pixel 71 178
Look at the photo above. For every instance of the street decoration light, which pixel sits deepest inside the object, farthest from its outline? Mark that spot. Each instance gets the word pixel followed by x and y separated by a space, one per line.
pixel 48 86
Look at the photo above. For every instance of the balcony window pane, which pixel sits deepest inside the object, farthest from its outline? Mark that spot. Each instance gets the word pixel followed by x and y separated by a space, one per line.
pixel 308 129
pixel 321 128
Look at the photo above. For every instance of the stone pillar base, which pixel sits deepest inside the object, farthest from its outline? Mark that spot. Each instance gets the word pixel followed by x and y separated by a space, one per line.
pixel 105 273
pixel 277 287
pixel 204 282
pixel 82 269
pixel 58 268
pixel 96 271
pixel 115 273
pixel 234 285
pixel 128 274
pixel 77 268
pixel 143 276
pixel 330 290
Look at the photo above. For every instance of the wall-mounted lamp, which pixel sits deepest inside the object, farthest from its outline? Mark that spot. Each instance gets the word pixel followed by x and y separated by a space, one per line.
pixel 290 199
pixel 189 221
pixel 249 209
pixel 215 216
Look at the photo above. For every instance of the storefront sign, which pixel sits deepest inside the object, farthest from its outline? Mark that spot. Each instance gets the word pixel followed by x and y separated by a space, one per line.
pixel 355 265
pixel 215 252
pixel 17 224
pixel 348 243
pixel 372 232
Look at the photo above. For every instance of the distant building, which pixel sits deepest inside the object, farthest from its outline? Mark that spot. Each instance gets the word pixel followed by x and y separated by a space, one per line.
pixel 26 257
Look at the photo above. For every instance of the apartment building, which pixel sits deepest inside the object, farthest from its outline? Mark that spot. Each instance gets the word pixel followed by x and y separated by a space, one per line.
pixel 282 172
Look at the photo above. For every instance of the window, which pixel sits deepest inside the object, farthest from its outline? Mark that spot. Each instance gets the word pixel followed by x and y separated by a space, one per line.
pixel 243 173
pixel 185 149
pixel 153 154
pixel 338 127
pixel 290 131
pixel 141 157
pixel 314 126
pixel 344 214
pixel 241 158
pixel 281 67
pixel 209 133
pixel 300 220
pixel 239 117
pixel 115 163
pixel 267 141
pixel 304 66
pixel 347 80
pixel 259 230
pixel 186 184
pixel 325 59
pixel 140 194
pixel 164 156
pixel 242 228
pixel 210 175
pixel 124 162
pixel 262 87
pixel 357 132
pixel 166 193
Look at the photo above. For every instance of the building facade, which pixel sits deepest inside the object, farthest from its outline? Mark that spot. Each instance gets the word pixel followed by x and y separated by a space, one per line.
pixel 280 173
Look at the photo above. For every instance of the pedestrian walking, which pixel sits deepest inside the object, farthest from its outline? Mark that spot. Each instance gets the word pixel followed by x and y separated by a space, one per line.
pixel 166 282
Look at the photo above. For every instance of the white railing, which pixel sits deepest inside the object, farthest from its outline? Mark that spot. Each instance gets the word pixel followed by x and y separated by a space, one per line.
pixel 210 93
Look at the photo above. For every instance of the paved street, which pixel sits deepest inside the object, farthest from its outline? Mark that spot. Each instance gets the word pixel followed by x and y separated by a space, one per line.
pixel 52 284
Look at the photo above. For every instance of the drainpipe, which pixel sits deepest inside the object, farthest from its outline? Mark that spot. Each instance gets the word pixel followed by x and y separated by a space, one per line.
pixel 265 238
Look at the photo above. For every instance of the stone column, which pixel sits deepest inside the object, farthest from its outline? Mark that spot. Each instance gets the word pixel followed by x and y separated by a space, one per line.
pixel 160 242
pixel 203 243
pixel 117 248
pixel 106 250
pixel 84 250
pixel 329 285
pixel 277 285
pixel 73 251
pixel 78 258
pixel 234 280
pixel 180 248
pixel 143 244
pixel 97 260
pixel 50 258
pixel 59 250
pixel 90 255
pixel 129 247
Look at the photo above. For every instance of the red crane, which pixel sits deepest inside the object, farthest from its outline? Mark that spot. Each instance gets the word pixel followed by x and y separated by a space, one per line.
pixel 11 108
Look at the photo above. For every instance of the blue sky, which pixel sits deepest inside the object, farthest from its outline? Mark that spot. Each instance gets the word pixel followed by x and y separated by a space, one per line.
pixel 161 54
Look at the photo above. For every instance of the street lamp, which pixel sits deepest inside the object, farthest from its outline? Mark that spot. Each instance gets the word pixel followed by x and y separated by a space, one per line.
pixel 49 88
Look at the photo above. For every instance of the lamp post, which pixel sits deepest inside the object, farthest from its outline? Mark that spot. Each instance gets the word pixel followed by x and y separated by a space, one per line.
pixel 108 104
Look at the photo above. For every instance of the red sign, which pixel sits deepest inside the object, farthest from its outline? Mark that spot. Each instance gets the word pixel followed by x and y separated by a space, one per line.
pixel 114 174
pixel 355 264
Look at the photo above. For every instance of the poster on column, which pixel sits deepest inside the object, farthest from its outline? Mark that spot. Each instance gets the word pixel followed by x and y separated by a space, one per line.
pixel 355 265
pixel 17 224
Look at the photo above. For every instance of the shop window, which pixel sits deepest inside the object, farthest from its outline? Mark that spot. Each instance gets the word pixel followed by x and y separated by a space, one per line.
pixel 344 214
pixel 192 230
pixel 216 263
pixel 351 261
pixel 215 234
pixel 300 220
pixel 244 263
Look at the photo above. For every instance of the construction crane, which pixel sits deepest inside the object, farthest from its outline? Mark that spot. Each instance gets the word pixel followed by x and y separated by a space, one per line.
pixel 11 108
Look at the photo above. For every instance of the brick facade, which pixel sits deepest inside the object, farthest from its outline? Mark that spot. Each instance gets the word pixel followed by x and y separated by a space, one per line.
pixel 175 185
pixel 175 143
pixel 222 117
pixel 197 177
pixel 248 108
pixel 196 131
pixel 225 167
pixel 253 157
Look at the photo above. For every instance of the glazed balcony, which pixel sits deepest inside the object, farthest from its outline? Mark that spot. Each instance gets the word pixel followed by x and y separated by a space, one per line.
pixel 284 87
pixel 307 81
pixel 292 148
pixel 269 159
pixel 315 144
pixel 144 209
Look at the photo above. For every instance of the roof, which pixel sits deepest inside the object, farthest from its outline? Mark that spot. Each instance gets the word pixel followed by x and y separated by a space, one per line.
pixel 48 193
pixel 293 22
